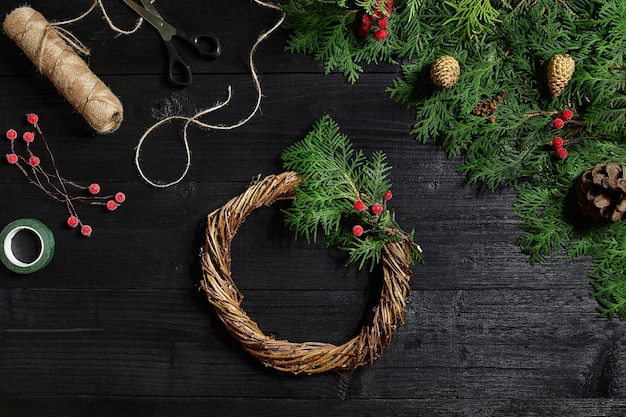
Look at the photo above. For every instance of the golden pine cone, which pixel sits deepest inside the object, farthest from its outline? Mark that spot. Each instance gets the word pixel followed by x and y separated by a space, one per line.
pixel 601 192
pixel 560 71
pixel 445 72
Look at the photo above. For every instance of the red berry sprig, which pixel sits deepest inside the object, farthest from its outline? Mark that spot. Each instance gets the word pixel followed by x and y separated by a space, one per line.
pixel 376 23
pixel 567 114
pixel 357 230
pixel 558 144
pixel 558 123
pixel 86 230
pixel 32 118
pixel 72 221
pixel 359 205
pixel 52 183
pixel 12 158
pixel 376 208
pixel 374 211
pixel 564 117
pixel 11 134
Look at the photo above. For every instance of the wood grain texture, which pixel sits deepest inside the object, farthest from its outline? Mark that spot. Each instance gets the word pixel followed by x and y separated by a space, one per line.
pixel 115 324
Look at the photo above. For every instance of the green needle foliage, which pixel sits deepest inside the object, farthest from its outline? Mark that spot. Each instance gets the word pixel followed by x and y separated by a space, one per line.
pixel 334 177
pixel 472 18
pixel 327 30
pixel 505 67
pixel 498 116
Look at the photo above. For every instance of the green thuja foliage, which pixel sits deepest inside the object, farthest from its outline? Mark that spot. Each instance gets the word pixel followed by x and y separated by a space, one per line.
pixel 471 18
pixel 498 117
pixel 328 29
pixel 334 178
pixel 511 143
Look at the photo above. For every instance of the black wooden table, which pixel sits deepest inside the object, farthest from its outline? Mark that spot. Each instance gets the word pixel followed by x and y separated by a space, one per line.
pixel 115 325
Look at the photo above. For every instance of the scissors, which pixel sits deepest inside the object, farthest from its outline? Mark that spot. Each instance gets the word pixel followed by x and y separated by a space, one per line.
pixel 207 46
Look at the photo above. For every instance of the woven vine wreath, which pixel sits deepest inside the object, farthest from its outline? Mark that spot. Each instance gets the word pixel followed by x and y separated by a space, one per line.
pixel 397 253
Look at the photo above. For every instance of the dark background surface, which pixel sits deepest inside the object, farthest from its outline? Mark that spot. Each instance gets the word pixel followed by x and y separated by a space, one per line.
pixel 115 326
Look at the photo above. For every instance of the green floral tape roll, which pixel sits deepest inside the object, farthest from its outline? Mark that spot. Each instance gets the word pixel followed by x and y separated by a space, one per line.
pixel 46 245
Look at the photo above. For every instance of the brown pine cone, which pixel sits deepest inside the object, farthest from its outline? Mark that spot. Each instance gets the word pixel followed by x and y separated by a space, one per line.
pixel 560 71
pixel 601 192
pixel 445 72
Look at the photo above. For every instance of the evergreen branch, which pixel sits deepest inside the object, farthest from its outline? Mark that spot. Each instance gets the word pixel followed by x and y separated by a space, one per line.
pixel 503 51
pixel 471 19
pixel 511 143
pixel 335 178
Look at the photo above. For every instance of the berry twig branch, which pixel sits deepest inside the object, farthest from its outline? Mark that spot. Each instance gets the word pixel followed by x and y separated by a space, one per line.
pixel 52 183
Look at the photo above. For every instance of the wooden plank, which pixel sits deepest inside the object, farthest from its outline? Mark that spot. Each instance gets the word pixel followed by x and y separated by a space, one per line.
pixel 461 344
pixel 129 406
pixel 115 324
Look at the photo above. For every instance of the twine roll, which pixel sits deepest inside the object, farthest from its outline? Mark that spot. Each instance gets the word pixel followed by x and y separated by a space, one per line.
pixel 58 61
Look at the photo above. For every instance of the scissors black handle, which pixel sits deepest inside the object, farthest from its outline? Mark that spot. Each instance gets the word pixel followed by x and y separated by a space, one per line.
pixel 207 46
pixel 179 72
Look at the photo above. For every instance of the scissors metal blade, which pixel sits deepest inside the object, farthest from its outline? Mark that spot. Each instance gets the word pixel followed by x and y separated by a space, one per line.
pixel 150 7
pixel 165 29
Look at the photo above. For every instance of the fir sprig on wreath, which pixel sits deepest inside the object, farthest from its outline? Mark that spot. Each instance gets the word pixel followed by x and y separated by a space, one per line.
pixel 344 194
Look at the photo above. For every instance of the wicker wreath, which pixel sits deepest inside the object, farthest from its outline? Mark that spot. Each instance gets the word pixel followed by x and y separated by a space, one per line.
pixel 307 357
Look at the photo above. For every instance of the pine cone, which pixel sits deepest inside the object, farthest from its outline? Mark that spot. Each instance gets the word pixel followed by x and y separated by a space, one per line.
pixel 560 71
pixel 445 72
pixel 601 192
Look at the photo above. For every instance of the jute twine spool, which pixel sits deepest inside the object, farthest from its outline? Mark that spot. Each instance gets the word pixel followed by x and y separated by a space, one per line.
pixel 58 61
pixel 306 357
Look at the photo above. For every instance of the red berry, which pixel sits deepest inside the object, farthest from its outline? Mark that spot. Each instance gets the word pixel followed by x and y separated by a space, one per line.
pixel 381 34
pixel 366 19
pixel 11 134
pixel 558 123
pixel 363 31
pixel 561 153
pixel 111 205
pixel 387 196
pixel 34 161
pixel 28 137
pixel 86 230
pixel 12 158
pixel 120 197
pixel 357 230
pixel 382 23
pixel 94 188
pixel 359 205
pixel 566 114
pixel 72 221
pixel 557 143
pixel 32 118
pixel 377 208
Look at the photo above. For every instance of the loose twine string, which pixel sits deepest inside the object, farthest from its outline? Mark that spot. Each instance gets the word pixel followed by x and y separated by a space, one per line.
pixel 195 119
pixel 55 34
